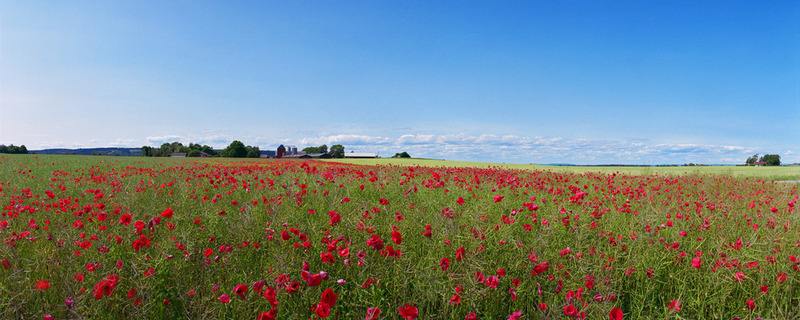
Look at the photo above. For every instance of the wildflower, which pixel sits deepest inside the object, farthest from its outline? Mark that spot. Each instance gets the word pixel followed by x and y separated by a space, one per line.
pixel 42 285
pixel 674 306
pixel 516 315
pixel 615 314
pixel 570 310
pixel 427 232
pixel 224 298
pixel 105 287
pixel 167 213
pixel 408 312
pixel 444 264
pixel 373 313
pixel 326 302
pixel 397 238
pixel 241 290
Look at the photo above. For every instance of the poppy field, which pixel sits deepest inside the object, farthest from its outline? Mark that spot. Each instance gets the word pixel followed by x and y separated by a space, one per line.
pixel 137 238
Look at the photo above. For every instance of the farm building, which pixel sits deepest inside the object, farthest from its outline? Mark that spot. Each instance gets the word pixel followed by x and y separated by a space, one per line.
pixel 286 152
pixel 268 154
pixel 302 155
pixel 360 155
pixel 178 155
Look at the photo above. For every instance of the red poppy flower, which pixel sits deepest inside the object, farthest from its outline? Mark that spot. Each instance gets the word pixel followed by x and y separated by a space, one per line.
pixel 408 312
pixel 696 262
pixel 268 315
pixel 570 310
pixel 167 213
pixel 271 295
pixel 241 290
pixel 455 299
pixel 42 285
pixel 106 286
pixel 375 242
pixel 334 217
pixel 492 282
pixel 540 268
pixel 460 253
pixel 751 304
pixel 397 238
pixel 427 232
pixel 674 306
pixel 373 313
pixel 615 314
pixel 224 298
pixel 444 264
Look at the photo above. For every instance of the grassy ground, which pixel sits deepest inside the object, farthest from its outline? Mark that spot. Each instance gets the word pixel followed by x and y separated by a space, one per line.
pixel 160 238
pixel 769 173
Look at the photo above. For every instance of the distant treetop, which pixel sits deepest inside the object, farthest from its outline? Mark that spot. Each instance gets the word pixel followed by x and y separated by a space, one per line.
pixel 13 149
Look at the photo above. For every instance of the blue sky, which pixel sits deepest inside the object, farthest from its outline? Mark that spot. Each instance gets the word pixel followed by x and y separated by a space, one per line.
pixel 556 81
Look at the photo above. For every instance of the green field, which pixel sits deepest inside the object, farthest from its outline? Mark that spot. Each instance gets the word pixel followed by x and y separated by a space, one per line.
pixel 770 173
pixel 93 237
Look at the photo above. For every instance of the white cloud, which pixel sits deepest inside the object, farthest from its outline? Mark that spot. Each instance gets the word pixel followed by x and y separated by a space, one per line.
pixel 513 148
pixel 157 140
pixel 345 139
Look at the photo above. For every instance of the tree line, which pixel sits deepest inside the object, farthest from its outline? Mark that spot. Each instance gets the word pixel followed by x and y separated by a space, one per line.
pixel 336 150
pixel 765 160
pixel 236 149
pixel 13 149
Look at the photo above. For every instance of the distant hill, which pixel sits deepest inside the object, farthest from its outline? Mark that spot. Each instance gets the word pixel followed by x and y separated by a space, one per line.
pixel 93 151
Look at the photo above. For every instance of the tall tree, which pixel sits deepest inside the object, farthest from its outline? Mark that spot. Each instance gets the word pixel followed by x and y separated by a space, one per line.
pixel 253 152
pixel 235 150
pixel 13 149
pixel 771 159
pixel 337 151
pixel 751 161
pixel 321 149
pixel 147 151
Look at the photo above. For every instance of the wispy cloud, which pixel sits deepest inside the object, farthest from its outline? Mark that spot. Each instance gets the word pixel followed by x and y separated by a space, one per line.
pixel 513 148
pixel 346 139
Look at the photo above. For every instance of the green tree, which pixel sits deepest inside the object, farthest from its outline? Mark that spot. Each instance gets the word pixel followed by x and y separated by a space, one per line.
pixel 321 149
pixel 201 148
pixel 401 155
pixel 253 152
pixel 337 151
pixel 165 149
pixel 13 149
pixel 771 159
pixel 751 161
pixel 236 149
pixel 177 147
pixel 311 149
